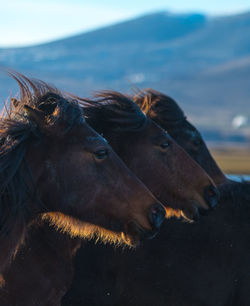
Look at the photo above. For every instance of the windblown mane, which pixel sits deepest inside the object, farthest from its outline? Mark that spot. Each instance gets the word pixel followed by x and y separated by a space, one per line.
pixel 160 106
pixel 17 130
pixel 112 111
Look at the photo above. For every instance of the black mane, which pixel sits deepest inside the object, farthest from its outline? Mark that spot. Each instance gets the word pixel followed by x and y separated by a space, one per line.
pixel 113 111
pixel 17 130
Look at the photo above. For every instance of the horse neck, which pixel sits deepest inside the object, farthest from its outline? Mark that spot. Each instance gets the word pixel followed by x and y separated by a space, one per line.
pixel 10 242
pixel 16 213
pixel 235 192
pixel 235 199
pixel 13 233
pixel 51 254
pixel 52 242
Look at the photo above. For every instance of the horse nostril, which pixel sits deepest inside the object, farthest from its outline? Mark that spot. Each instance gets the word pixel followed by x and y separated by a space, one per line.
pixel 211 196
pixel 157 215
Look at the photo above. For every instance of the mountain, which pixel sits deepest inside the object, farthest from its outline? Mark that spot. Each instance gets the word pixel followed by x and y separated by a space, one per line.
pixel 203 62
pixel 154 28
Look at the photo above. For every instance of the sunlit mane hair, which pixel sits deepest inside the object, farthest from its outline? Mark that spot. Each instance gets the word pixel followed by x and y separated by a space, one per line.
pixel 77 228
pixel 159 107
pixel 112 111
pixel 17 130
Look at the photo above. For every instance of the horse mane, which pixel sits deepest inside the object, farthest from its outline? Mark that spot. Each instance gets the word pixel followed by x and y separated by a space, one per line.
pixel 159 107
pixel 17 130
pixel 112 111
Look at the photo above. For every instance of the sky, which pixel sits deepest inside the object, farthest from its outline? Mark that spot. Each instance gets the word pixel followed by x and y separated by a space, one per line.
pixel 28 22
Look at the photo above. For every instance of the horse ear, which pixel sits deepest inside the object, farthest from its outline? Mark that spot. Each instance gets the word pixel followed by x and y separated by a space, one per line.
pixel 35 115
pixel 14 102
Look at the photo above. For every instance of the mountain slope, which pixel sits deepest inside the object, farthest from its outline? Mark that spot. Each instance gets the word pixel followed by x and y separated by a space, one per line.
pixel 203 62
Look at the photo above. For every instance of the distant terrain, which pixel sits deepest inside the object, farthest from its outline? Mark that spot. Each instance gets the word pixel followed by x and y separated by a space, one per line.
pixel 233 160
pixel 202 62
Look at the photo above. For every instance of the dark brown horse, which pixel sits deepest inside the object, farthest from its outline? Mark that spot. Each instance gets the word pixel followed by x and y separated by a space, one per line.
pixel 201 264
pixel 168 114
pixel 151 154
pixel 53 164
pixel 173 168
pixel 124 121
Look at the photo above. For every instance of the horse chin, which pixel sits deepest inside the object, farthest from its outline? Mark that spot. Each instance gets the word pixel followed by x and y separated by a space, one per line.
pixel 135 233
pixel 194 214
pixel 191 215
pixel 130 240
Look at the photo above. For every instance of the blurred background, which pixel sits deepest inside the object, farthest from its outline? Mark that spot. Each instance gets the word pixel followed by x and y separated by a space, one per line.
pixel 198 52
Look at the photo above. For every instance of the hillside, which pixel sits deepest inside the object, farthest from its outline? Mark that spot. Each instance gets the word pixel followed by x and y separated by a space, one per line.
pixel 201 61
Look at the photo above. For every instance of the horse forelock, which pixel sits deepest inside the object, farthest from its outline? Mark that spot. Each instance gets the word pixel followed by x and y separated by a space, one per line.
pixel 44 97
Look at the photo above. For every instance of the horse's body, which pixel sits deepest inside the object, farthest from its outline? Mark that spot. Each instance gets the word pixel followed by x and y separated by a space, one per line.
pixel 199 264
pixel 202 264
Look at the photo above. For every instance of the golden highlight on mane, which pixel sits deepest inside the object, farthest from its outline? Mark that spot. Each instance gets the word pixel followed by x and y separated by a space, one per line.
pixel 160 105
pixel 146 103
pixel 77 228
pixel 143 99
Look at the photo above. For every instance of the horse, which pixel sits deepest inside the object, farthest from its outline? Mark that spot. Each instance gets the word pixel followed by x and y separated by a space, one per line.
pixel 151 154
pixel 52 164
pixel 166 112
pixel 99 120
pixel 202 264
pixel 115 116
pixel 230 238
pixel 123 118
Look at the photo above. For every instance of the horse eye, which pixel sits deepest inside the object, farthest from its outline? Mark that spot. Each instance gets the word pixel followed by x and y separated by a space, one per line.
pixel 101 154
pixel 165 145
pixel 197 142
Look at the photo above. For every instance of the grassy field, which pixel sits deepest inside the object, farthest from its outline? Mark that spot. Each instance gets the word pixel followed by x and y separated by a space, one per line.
pixel 233 160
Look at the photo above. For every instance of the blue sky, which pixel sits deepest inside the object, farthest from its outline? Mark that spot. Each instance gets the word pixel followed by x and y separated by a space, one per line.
pixel 25 22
